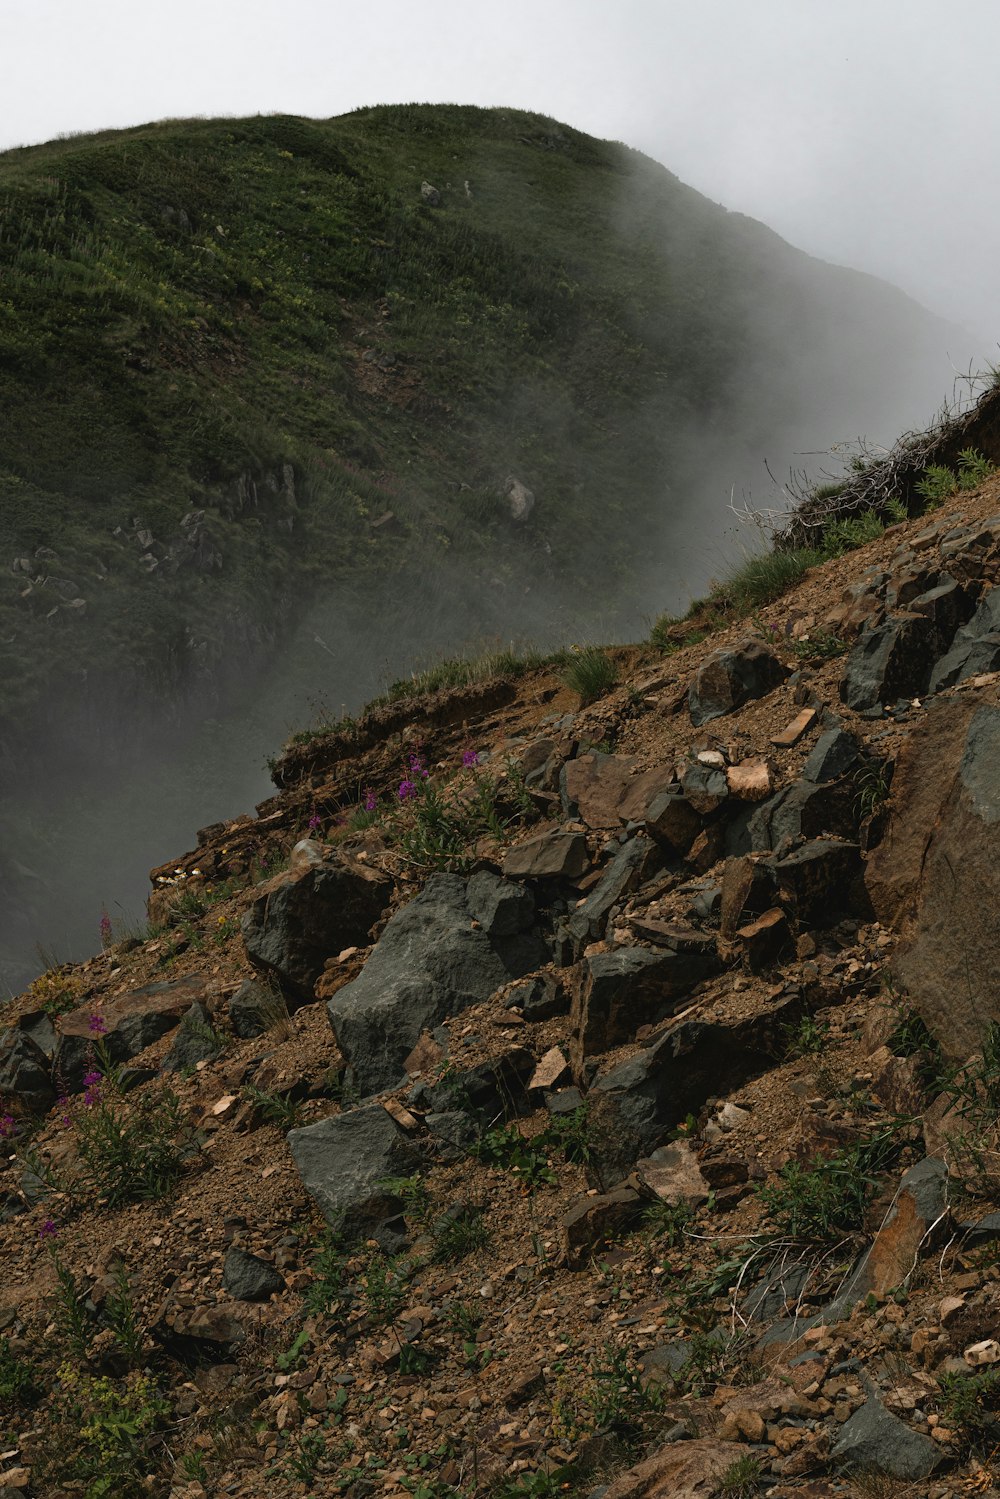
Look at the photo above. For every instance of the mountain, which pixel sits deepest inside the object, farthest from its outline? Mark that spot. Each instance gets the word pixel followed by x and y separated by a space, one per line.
pixel 286 402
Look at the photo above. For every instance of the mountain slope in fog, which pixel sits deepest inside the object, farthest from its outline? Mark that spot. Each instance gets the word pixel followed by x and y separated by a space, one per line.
pixel 245 362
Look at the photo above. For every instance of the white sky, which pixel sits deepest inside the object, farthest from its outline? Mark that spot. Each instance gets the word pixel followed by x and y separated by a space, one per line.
pixel 864 131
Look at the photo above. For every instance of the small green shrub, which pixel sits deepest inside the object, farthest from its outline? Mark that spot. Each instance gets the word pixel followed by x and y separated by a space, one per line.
pixel 132 1153
pixel 659 635
pixel 526 1159
pixel 19 1384
pixel 873 784
pixel 455 1237
pixel 122 1318
pixel 969 1405
pixel 806 1038
pixel 940 482
pixel 743 1479
pixel 852 531
pixel 274 1108
pixel 617 1398
pixel 383 1287
pixel 827 1199
pixel 329 1268
pixel 590 673
pixel 668 1220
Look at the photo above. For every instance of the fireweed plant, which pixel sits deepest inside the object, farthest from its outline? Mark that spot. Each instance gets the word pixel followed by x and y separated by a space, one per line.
pixel 435 822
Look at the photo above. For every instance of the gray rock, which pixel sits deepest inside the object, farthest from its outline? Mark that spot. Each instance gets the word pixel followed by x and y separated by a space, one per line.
pixel 889 661
pixel 672 821
pixel 38 1025
pixel 454 1131
pixel 975 647
pixel 248 1278
pixel 705 787
pixel 24 1072
pixel 311 915
pixel 490 1093
pixel 873 1438
pixel 835 752
pixel 502 908
pixel 343 1163
pixel 254 1008
pixel 982 1231
pixel 538 998
pixel 730 678
pixel 623 874
pixel 430 963
pixel 616 992
pixel 196 1041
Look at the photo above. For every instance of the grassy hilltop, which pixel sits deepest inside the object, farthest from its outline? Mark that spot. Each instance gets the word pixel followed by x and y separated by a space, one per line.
pixel 263 320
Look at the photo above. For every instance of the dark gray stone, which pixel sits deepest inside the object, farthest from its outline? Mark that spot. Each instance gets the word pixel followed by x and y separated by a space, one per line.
pixel 873 1438
pixel 890 660
pixel 454 1131
pixel 730 678
pixel 539 998
pixel 616 992
pixel 196 1041
pixel 835 752
pixel 804 810
pixel 253 1008
pixel 625 872
pixel 490 1093
pixel 310 916
pixel 24 1072
pixel 566 1101
pixel 672 821
pixel 554 854
pixel 982 1231
pixel 502 908
pixel 705 787
pixel 248 1278
pixel 38 1025
pixel 817 882
pixel 343 1163
pixel 431 962
pixel 975 647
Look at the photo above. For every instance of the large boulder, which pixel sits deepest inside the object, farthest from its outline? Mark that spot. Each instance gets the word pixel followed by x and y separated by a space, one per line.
pixel 890 660
pixel 874 1440
pixel 935 876
pixel 452 946
pixel 345 1163
pixel 975 647
pixel 728 679
pixel 302 918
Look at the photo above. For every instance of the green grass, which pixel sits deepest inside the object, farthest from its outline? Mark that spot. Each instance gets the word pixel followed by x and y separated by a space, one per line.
pixel 591 673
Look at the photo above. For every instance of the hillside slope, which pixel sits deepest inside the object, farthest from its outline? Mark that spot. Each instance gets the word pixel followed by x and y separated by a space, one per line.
pixel 246 364
pixel 536 1096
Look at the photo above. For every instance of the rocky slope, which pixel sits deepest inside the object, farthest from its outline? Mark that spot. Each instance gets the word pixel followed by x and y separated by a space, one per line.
pixel 536 1097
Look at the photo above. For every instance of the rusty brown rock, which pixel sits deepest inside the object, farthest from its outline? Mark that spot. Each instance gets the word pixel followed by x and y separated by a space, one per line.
pixel 935 876
pixel 682 1470
pixel 554 853
pixel 595 1219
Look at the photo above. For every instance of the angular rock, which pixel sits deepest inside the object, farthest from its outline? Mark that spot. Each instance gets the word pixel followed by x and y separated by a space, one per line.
pixel 730 678
pixel 793 732
pixel 874 1439
pixel 37 1025
pixel 672 1174
pixel 254 1008
pixel 594 787
pixel 556 854
pixel 249 1278
pixel 593 1220
pixel 538 998
pixel 616 992
pixel 916 1223
pixel 196 1041
pixel 935 876
pixel 804 810
pixel 974 649
pixel 635 1105
pixel 490 1093
pixel 24 1073
pixel 889 661
pixel 502 908
pixel 750 781
pixel 551 1070
pixel 431 962
pixel 625 872
pixel 345 1161
pixel 130 1022
pixel 816 883
pixel 763 940
pixel 706 787
pixel 310 914
pixel 747 891
pixel 835 752
pixel 672 821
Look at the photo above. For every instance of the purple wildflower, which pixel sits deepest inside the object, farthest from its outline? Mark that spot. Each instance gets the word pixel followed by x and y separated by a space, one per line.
pixel 48 1230
pixel 8 1128
pixel 370 800
pixel 97 1025
pixel 406 790
pixel 417 767
pixel 315 822
pixel 105 929
pixel 65 1117
pixel 470 758
pixel 92 1078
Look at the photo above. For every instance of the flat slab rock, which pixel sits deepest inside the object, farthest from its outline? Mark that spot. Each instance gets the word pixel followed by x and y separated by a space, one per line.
pixel 682 1470
pixel 130 1022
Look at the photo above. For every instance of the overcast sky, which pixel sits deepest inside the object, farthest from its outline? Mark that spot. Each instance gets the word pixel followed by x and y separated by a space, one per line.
pixel 864 131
